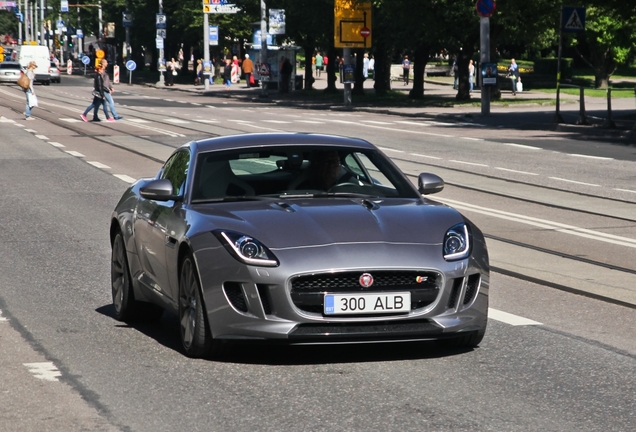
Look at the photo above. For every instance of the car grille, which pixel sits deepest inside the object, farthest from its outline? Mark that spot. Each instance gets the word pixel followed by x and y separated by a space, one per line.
pixel 307 292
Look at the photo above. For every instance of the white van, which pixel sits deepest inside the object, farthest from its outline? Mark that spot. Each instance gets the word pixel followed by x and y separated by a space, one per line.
pixel 40 54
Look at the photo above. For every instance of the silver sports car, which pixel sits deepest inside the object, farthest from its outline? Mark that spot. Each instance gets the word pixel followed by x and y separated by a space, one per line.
pixel 296 238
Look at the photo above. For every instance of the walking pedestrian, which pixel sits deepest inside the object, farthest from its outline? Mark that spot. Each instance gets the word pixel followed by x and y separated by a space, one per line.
pixel 372 67
pixel 109 90
pixel 513 74
pixel 471 74
pixel 98 97
pixel 31 99
pixel 171 72
pixel 199 77
pixel 365 66
pixel 248 70
pixel 227 74
pixel 406 69
pixel 455 73
pixel 286 69
pixel 318 64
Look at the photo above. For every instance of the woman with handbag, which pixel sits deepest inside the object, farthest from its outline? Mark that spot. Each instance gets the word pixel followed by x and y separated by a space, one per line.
pixel 31 100
pixel 98 96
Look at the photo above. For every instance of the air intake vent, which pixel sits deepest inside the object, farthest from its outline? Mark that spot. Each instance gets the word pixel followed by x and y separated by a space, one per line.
pixel 471 288
pixel 454 295
pixel 263 293
pixel 234 293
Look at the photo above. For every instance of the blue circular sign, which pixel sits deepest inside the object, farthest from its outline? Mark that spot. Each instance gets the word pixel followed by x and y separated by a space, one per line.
pixel 86 60
pixel 131 65
pixel 485 8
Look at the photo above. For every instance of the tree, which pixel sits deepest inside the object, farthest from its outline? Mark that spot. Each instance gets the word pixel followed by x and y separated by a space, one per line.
pixel 609 40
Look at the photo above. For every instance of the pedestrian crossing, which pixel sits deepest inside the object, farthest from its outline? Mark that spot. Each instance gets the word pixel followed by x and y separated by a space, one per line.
pixel 287 121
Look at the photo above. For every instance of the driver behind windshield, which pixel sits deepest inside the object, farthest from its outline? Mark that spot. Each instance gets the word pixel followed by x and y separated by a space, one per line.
pixel 325 170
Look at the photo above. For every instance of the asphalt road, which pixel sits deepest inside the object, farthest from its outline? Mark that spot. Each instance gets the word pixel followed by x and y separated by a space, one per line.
pixel 559 353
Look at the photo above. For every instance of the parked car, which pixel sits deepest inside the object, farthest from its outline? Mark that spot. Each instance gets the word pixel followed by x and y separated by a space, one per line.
pixel 10 72
pixel 296 238
pixel 55 73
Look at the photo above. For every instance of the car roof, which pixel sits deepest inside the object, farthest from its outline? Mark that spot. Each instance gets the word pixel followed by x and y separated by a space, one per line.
pixel 271 139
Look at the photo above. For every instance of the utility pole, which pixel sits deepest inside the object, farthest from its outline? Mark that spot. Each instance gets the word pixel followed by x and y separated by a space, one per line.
pixel 206 51
pixel 161 77
pixel 263 48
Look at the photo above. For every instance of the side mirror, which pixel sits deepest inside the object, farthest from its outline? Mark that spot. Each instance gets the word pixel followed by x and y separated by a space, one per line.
pixel 428 183
pixel 159 190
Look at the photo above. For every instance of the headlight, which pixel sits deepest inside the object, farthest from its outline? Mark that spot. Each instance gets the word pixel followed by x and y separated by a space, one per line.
pixel 457 242
pixel 247 249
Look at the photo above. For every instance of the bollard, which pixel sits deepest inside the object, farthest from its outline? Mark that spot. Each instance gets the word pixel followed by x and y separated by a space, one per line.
pixel 609 123
pixel 582 118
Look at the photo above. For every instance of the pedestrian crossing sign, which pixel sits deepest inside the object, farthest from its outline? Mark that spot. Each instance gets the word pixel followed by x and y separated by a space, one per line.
pixel 573 19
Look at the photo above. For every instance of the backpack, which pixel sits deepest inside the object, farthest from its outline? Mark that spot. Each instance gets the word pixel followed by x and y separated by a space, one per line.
pixel 24 82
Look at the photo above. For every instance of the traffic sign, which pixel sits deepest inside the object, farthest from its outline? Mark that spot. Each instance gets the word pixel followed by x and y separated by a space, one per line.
pixel 127 19
pixel 365 32
pixel 79 33
pixel 161 21
pixel 100 54
pixel 86 60
pixel 162 33
pixel 131 65
pixel 485 8
pixel 159 43
pixel 573 19
pixel 349 19
pixel 64 6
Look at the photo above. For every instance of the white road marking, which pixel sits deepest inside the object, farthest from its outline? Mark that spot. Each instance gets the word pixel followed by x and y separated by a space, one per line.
pixel 6 120
pixel 386 149
pixel 207 121
pixel 509 318
pixel 515 171
pixel 31 130
pixel 342 121
pixel 56 144
pixel 136 120
pixel 74 153
pixel 574 181
pixel 625 190
pixel 98 165
pixel 177 121
pixel 542 223
pixel 44 370
pixel 42 137
pixel 468 163
pixel 425 156
pixel 277 121
pixel 376 122
pixel 413 123
pixel 71 120
pixel 527 147
pixel 125 178
pixel 591 157
pixel 2 319
pixel 310 121
pixel 472 139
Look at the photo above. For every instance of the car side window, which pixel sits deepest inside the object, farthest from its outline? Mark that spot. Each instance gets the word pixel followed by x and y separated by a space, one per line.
pixel 176 170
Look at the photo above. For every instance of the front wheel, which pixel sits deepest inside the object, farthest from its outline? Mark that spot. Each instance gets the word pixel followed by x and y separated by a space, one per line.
pixel 195 333
pixel 126 307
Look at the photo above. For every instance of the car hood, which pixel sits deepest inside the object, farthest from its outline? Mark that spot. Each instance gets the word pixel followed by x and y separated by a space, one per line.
pixel 308 222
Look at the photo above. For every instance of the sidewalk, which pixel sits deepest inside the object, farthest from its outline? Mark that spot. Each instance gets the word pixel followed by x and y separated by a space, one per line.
pixel 522 116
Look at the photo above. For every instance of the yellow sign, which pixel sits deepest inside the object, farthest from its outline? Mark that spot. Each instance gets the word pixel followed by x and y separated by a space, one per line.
pixel 352 24
pixel 207 8
pixel 1 50
pixel 1 57
pixel 100 54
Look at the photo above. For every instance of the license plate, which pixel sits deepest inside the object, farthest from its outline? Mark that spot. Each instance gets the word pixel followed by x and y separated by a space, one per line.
pixel 366 303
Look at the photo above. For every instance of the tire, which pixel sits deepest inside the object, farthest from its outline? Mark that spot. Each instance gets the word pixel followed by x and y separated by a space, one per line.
pixel 126 307
pixel 193 324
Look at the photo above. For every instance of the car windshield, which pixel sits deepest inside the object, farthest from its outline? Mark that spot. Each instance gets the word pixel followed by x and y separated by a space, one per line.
pixel 297 172
pixel 9 66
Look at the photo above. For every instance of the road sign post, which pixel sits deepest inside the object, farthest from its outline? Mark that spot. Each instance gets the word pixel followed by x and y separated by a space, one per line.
pixel 572 20
pixel 485 9
pixel 130 66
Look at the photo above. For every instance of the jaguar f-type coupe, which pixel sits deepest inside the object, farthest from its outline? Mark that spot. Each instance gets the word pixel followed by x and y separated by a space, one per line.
pixel 299 239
